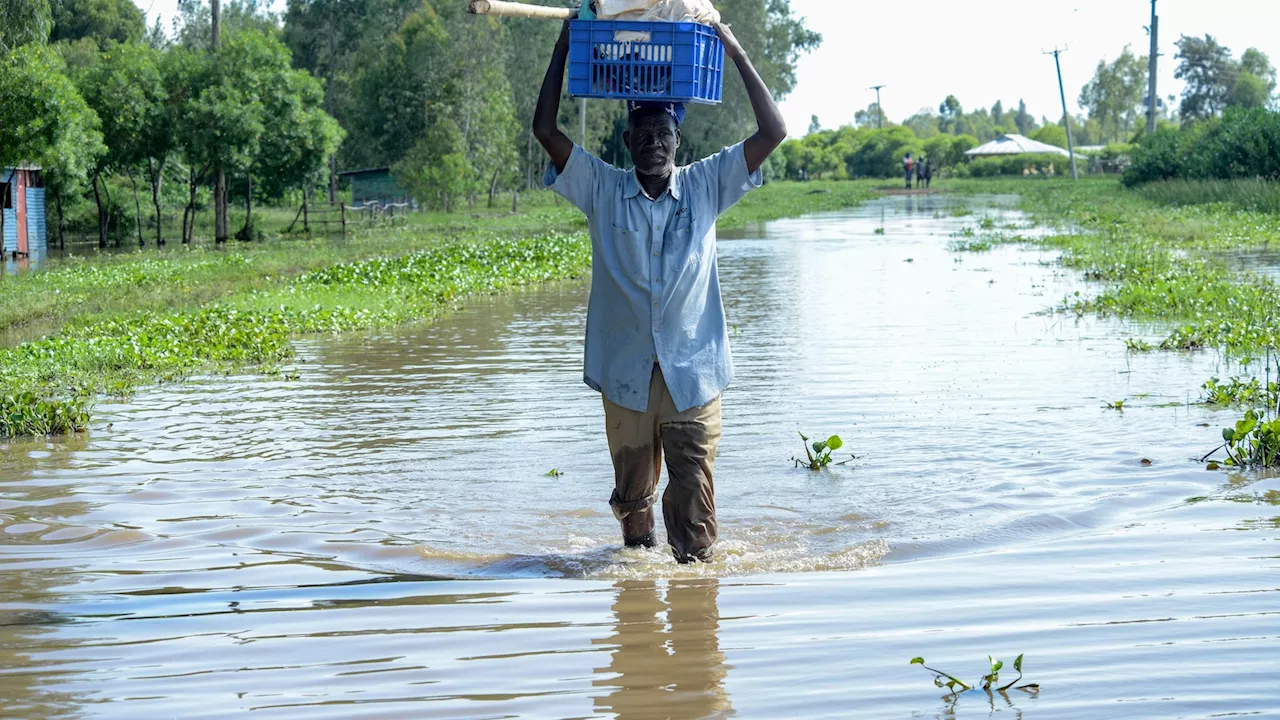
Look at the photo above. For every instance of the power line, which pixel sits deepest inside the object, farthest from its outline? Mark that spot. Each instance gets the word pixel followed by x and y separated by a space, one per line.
pixel 1066 116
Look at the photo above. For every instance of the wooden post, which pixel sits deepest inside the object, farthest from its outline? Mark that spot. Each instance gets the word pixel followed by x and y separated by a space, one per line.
pixel 306 222
pixel 515 9
pixel 342 209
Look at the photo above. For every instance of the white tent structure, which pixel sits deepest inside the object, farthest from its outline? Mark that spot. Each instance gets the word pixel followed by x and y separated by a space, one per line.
pixel 1015 145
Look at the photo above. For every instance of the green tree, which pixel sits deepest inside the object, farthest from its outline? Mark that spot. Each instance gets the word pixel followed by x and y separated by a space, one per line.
pixel 997 113
pixel 64 138
pixel 23 22
pixel 815 125
pixel 125 88
pixel 1051 135
pixel 404 91
pixel 1209 73
pixel 529 53
pixel 775 39
pixel 194 21
pixel 1256 63
pixel 1248 91
pixel 1023 120
pixel 188 73
pixel 324 37
pixel 960 145
pixel 298 137
pixel 127 91
pixel 924 123
pixel 949 112
pixel 977 123
pixel 436 169
pixel 100 20
pixel 1114 97
pixel 484 111
pixel 880 156
pixel 869 118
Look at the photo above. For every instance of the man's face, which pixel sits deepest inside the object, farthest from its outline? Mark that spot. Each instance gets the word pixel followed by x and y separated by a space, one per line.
pixel 652 139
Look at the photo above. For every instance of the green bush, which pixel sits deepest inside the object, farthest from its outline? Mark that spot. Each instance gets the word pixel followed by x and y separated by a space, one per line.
pixel 1242 144
pixel 880 156
pixel 1029 164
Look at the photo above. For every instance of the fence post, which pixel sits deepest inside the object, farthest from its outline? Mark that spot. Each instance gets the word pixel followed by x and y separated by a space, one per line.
pixel 342 208
pixel 306 218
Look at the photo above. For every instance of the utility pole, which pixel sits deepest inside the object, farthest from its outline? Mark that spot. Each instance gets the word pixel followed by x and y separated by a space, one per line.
pixel 582 122
pixel 1066 116
pixel 220 180
pixel 1152 99
pixel 879 109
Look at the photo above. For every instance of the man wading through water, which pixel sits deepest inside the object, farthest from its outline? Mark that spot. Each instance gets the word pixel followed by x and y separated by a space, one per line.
pixel 657 348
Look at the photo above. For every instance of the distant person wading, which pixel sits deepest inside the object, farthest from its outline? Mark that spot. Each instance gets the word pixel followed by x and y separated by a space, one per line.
pixel 657 347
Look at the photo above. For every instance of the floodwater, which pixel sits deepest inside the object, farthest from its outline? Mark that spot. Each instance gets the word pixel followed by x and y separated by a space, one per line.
pixel 381 538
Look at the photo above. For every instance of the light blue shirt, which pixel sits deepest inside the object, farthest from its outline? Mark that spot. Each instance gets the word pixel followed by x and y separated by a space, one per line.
pixel 655 288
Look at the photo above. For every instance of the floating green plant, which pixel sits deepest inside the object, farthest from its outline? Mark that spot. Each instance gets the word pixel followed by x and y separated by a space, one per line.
pixel 1235 391
pixel 820 456
pixel 982 245
pixel 1254 442
pixel 990 681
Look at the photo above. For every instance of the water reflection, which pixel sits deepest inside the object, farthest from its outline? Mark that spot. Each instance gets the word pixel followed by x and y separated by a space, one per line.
pixel 12 265
pixel 667 661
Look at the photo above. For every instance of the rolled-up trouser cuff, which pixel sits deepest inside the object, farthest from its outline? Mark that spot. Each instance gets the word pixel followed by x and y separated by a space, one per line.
pixel 622 510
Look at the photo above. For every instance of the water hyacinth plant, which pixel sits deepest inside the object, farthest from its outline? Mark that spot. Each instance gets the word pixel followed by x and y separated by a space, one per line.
pixel 1235 391
pixel 1254 442
pixel 990 681
pixel 820 456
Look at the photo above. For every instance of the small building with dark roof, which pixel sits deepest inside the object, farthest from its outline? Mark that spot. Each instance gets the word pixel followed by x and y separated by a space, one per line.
pixel 374 185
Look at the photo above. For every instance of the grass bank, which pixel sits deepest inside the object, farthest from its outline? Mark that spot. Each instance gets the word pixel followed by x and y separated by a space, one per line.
pixel 108 323
pixel 1253 194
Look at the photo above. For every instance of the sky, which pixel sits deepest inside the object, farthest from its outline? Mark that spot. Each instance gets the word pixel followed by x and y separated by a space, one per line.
pixel 983 50
pixel 978 50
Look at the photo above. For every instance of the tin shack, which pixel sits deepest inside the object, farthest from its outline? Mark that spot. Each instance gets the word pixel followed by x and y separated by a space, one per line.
pixel 22 199
pixel 374 185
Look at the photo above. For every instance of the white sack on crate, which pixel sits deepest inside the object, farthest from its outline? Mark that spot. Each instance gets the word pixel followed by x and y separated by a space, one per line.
pixel 658 10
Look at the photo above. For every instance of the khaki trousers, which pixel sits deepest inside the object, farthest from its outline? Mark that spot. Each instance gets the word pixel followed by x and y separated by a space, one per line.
pixel 689 439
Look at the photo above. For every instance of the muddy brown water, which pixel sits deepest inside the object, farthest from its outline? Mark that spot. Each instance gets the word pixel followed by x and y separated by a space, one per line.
pixel 381 537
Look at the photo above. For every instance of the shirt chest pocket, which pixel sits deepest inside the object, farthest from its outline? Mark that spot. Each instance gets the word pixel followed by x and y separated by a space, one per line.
pixel 627 250
pixel 683 242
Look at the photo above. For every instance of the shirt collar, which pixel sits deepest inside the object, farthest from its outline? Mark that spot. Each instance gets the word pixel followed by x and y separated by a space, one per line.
pixel 632 187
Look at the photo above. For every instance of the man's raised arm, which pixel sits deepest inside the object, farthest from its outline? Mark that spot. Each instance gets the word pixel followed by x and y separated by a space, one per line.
pixel 772 129
pixel 556 143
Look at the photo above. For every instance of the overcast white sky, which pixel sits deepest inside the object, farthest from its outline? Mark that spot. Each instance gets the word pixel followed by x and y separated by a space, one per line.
pixel 980 50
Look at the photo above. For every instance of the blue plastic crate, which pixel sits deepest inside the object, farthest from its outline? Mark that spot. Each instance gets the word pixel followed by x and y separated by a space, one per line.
pixel 678 62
